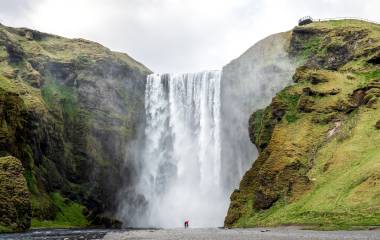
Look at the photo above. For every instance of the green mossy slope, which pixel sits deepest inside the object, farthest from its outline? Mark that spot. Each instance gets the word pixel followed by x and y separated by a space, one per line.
pixel 69 214
pixel 15 207
pixel 319 140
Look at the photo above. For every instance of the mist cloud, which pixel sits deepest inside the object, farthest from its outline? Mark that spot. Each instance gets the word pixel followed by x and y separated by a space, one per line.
pixel 176 35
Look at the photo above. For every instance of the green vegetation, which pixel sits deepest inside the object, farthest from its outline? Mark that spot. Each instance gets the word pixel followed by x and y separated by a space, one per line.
pixel 370 75
pixel 67 106
pixel 59 97
pixel 291 101
pixel 311 47
pixel 5 229
pixel 31 181
pixel 344 195
pixel 15 208
pixel 69 214
pixel 320 167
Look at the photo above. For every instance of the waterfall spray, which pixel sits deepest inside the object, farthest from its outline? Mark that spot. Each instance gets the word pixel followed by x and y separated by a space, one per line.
pixel 181 165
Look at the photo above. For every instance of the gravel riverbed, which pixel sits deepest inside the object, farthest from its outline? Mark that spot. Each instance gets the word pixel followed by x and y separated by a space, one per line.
pixel 286 233
pixel 281 233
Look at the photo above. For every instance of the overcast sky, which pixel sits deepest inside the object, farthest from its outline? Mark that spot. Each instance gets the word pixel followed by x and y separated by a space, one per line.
pixel 176 35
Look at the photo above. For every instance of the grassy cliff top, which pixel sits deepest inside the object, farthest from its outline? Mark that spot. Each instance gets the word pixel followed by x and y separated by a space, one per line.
pixel 38 44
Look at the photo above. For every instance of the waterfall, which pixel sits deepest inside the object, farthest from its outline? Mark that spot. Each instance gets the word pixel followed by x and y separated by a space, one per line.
pixel 195 146
pixel 181 164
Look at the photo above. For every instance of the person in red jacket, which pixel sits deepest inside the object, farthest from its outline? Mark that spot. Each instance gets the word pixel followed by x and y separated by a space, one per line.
pixel 186 223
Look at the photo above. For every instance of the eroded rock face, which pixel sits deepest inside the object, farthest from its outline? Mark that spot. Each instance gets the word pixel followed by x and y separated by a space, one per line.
pixel 15 206
pixel 68 110
pixel 332 105
pixel 249 83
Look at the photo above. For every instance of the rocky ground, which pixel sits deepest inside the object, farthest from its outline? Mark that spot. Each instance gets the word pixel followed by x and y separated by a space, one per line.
pixel 241 234
pixel 282 233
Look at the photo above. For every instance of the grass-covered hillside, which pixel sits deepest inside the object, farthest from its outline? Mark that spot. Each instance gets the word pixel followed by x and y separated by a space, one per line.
pixel 319 139
pixel 68 108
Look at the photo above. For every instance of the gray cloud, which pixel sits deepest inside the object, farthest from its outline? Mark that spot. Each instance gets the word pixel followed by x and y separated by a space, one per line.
pixel 10 10
pixel 176 35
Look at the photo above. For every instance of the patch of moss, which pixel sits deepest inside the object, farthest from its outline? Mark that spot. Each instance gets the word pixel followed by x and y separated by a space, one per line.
pixel 370 75
pixel 69 214
pixel 5 229
pixel 291 100
pixel 31 181
pixel 56 95
pixel 15 208
pixel 311 47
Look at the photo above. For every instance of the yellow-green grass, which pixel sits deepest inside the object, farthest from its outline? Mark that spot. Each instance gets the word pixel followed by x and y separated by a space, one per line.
pixel 69 215
pixel 31 97
pixel 346 180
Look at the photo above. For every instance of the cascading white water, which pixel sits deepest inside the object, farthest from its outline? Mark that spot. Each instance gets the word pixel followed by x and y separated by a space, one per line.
pixel 181 166
pixel 196 146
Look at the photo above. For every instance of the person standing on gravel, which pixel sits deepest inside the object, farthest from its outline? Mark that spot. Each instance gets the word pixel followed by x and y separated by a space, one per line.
pixel 186 223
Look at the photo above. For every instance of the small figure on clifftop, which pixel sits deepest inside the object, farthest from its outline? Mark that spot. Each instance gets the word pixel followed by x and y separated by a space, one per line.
pixel 186 223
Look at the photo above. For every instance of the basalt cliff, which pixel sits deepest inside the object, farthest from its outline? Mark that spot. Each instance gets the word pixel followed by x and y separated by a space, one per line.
pixel 68 110
pixel 319 138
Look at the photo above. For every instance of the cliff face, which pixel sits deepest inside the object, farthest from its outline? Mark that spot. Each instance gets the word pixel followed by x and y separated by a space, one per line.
pixel 318 140
pixel 248 83
pixel 68 109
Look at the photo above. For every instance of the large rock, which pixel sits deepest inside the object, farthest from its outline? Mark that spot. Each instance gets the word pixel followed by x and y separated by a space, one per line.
pixel 15 207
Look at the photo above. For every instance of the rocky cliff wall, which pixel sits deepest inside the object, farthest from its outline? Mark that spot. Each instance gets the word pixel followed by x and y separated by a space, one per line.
pixel 68 110
pixel 249 83
pixel 318 162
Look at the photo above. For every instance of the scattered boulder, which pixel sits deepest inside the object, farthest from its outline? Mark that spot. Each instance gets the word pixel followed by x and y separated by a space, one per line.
pixel 106 222
pixel 367 95
pixel 263 200
pixel 278 109
pixel 337 54
pixel 312 92
pixel 305 104
pixel 34 78
pixel 15 53
pixel 300 74
pixel 377 125
pixel 15 205
pixel 375 59
pixel 315 78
